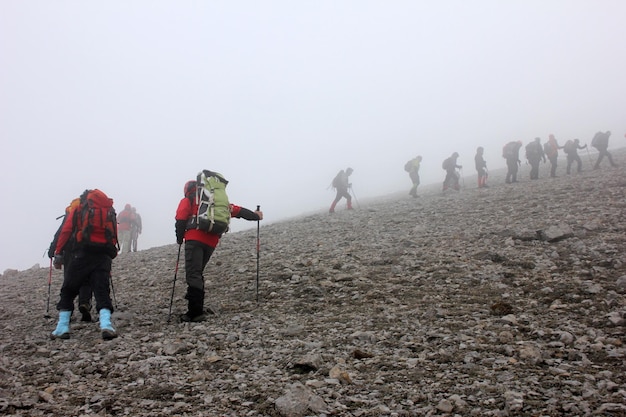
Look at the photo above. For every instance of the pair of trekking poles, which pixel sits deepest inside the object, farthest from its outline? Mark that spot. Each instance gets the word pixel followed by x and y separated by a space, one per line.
pixel 258 256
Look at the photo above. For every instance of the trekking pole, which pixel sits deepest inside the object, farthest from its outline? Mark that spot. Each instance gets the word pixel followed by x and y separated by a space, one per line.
pixel 169 315
pixel 47 315
pixel 113 289
pixel 258 252
pixel 354 195
pixel 589 156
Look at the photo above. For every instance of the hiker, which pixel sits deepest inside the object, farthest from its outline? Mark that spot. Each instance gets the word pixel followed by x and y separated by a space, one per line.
pixel 199 246
pixel 124 221
pixel 601 142
pixel 452 178
pixel 94 227
pixel 510 152
pixel 135 229
pixel 341 183
pixel 85 293
pixel 551 149
pixel 413 168
pixel 571 150
pixel 534 155
pixel 481 167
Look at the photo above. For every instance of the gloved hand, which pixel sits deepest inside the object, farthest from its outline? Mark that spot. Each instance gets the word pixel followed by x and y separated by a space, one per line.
pixel 51 252
pixel 58 261
pixel 181 226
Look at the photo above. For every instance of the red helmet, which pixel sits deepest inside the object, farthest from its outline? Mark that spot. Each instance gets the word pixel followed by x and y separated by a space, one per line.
pixel 190 188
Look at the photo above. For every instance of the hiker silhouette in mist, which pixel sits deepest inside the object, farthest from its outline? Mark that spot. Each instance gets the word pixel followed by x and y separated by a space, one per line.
pixel 199 246
pixel 341 183
pixel 85 293
pixel 452 178
pixel 571 148
pixel 413 168
pixel 481 167
pixel 124 221
pixel 601 142
pixel 510 152
pixel 534 155
pixel 551 149
pixel 135 228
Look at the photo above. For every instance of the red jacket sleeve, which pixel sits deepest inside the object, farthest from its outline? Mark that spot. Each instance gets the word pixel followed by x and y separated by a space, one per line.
pixel 66 231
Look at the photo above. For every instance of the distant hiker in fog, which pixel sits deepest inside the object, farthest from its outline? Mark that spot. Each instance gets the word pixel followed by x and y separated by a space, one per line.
pixel 89 233
pixel 452 178
pixel 510 152
pixel 413 168
pixel 571 148
pixel 481 167
pixel 601 142
pixel 534 155
pixel 341 183
pixel 135 229
pixel 85 293
pixel 200 244
pixel 551 149
pixel 124 221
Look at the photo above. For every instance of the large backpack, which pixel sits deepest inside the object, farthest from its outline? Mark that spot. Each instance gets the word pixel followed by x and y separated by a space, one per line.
pixel 508 151
pixel 337 180
pixel 408 167
pixel 213 214
pixel 95 223
pixel 569 146
pixel 600 140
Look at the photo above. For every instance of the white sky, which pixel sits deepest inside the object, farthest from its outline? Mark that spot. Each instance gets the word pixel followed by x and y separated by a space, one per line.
pixel 135 97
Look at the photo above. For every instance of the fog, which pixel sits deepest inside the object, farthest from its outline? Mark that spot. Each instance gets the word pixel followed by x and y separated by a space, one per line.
pixel 134 98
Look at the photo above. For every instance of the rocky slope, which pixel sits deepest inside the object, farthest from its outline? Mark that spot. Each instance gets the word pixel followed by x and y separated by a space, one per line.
pixel 508 301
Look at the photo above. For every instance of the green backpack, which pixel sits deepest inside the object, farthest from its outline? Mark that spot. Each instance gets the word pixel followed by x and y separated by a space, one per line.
pixel 213 213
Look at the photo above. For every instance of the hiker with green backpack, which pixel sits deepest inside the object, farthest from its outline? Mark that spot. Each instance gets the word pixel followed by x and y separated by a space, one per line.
pixel 202 217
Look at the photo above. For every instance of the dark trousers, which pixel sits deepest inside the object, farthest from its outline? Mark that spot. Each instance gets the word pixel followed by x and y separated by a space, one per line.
pixel 601 155
pixel 512 166
pixel 570 160
pixel 87 268
pixel 553 162
pixel 534 168
pixel 197 255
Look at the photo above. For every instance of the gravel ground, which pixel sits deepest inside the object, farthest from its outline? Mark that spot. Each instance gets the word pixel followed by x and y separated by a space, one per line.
pixel 507 301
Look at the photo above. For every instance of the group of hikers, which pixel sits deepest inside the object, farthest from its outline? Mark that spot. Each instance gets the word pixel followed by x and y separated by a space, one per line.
pixel 535 154
pixel 92 234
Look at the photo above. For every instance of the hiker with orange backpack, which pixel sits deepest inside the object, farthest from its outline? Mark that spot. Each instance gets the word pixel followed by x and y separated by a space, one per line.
pixel 93 225
pixel 124 223
pixel 85 293
pixel 201 241
pixel 551 149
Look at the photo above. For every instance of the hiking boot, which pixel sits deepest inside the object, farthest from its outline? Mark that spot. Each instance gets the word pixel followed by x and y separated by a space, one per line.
pixel 62 330
pixel 108 331
pixel 84 310
pixel 188 318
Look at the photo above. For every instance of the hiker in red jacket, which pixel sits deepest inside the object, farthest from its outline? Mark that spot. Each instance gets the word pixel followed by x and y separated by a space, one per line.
pixel 91 258
pixel 124 223
pixel 199 246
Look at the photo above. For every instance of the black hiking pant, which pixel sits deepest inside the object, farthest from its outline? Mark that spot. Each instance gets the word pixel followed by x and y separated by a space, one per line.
pixel 601 155
pixel 512 167
pixel 93 268
pixel 197 255
pixel 571 157
pixel 553 163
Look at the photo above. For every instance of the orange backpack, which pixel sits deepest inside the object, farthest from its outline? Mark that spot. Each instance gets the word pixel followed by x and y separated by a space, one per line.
pixel 95 223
